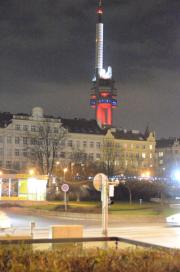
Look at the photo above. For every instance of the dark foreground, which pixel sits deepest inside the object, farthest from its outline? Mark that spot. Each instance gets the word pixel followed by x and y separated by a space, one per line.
pixel 25 259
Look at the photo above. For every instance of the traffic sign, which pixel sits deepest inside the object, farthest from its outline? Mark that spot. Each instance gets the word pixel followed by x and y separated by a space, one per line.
pixel 65 187
pixel 99 180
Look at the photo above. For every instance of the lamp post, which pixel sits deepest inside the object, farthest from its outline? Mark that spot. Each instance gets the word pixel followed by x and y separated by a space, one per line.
pixel 65 170
pixel 1 173
pixel 31 172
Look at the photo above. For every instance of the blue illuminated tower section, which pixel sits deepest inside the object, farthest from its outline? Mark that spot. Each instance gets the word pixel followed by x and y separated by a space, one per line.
pixel 103 96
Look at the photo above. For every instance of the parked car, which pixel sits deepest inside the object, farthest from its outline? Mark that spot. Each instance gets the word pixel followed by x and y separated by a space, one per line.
pixel 173 220
pixel 4 221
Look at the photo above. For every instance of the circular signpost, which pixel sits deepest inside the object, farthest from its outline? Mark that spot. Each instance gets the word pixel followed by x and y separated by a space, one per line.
pixel 65 189
pixel 99 180
pixel 100 183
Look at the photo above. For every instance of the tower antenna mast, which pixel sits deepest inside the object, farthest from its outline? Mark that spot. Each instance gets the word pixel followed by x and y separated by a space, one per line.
pixel 103 97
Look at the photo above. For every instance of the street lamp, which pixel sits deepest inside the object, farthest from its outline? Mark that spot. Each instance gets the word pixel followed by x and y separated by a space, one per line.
pixel 31 172
pixel 65 170
pixel 146 174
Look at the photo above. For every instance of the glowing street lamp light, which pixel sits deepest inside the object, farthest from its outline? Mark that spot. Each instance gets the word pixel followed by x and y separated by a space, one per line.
pixel 146 174
pixel 176 175
pixel 1 173
pixel 31 172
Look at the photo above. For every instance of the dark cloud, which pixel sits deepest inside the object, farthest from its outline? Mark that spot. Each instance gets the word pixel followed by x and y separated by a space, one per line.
pixel 47 58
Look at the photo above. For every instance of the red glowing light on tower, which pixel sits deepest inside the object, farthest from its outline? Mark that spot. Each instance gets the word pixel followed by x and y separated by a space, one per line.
pixel 103 97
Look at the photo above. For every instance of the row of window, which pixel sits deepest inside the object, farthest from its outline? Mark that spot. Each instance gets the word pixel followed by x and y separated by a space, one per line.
pixel 11 165
pixel 83 144
pixel 168 151
pixel 137 155
pixel 36 128
pixel 132 146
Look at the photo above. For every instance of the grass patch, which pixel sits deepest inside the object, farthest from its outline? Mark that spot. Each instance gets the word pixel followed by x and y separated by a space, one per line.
pixel 119 208
pixel 24 259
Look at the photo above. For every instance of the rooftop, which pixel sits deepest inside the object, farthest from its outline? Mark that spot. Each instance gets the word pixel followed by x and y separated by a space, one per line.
pixel 82 126
pixel 165 143
pixel 129 135
pixel 5 119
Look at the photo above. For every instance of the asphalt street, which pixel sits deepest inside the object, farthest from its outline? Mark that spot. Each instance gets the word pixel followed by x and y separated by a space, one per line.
pixel 159 233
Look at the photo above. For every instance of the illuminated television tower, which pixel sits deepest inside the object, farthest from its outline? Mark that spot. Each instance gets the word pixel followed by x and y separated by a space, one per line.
pixel 103 96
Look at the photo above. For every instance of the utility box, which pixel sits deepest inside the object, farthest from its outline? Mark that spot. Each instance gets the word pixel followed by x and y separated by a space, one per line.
pixel 67 231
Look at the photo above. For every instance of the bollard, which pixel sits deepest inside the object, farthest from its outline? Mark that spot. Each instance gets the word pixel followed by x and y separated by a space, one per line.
pixel 33 225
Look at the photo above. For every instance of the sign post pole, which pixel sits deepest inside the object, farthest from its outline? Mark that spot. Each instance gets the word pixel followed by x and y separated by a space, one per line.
pixel 65 202
pixel 65 189
pixel 104 199
pixel 103 185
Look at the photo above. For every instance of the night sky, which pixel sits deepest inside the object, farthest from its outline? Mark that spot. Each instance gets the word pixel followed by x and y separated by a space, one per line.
pixel 47 56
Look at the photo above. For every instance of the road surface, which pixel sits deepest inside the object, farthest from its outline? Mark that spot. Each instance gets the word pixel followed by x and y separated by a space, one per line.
pixel 159 234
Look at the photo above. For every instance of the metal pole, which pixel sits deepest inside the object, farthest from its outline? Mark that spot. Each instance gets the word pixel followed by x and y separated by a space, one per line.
pixel 65 202
pixel 0 188
pixel 9 187
pixel 104 197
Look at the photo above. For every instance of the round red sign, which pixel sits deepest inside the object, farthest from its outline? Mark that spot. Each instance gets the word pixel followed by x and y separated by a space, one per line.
pixel 65 187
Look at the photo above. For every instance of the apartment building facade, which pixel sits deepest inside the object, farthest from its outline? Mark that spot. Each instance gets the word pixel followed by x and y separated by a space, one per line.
pixel 134 151
pixel 167 156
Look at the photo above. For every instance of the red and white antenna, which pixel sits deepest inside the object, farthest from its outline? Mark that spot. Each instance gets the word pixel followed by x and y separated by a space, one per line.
pixel 99 39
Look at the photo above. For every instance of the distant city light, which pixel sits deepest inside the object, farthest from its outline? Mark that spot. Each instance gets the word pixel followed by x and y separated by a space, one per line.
pixel 176 175
pixel 146 174
pixel 31 172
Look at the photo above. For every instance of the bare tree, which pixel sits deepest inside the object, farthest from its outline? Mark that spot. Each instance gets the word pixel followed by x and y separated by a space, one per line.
pixel 45 144
pixel 82 164
pixel 109 157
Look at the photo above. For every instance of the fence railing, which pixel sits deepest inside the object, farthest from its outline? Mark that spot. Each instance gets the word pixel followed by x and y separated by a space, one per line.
pixel 116 240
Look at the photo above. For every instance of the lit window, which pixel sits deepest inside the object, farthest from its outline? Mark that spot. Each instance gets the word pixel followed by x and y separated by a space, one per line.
pixel 161 162
pixel 150 147
pixel 143 155
pixel 150 155
pixel 161 154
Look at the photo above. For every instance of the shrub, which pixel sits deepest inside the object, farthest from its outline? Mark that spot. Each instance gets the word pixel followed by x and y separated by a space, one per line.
pixel 24 259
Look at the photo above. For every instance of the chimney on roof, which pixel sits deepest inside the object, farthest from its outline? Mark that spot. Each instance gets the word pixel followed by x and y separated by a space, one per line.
pixel 113 130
